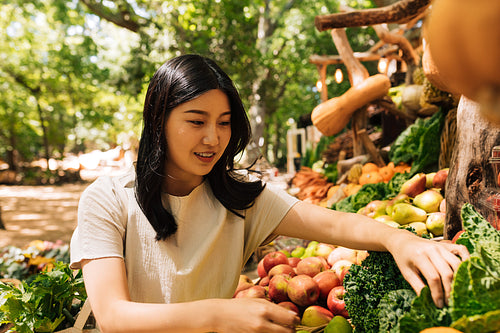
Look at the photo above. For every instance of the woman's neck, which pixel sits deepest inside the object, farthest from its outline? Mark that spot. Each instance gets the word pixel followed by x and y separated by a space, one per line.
pixel 180 187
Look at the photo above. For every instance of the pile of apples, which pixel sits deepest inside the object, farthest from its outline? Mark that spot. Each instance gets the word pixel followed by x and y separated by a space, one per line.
pixel 307 281
pixel 420 205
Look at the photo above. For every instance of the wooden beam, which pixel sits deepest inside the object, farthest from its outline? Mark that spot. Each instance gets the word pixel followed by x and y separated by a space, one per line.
pixel 399 12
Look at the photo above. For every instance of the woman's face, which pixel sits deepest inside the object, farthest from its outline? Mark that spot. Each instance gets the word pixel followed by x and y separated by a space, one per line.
pixel 197 133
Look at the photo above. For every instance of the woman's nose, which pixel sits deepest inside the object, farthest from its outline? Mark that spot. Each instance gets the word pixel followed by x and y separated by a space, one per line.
pixel 211 136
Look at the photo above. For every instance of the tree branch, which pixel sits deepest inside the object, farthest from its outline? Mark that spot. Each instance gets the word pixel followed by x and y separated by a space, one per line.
pixel 124 15
pixel 399 12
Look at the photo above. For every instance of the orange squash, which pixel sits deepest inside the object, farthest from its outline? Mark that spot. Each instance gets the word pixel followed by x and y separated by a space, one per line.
pixel 370 178
pixel 386 172
pixel 464 40
pixel 369 167
pixel 331 116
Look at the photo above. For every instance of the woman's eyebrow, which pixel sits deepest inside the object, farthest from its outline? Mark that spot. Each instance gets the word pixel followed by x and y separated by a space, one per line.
pixel 201 112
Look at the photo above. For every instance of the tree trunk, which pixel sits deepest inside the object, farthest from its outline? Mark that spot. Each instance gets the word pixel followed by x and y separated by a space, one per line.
pixel 44 132
pixel 470 172
pixel 2 226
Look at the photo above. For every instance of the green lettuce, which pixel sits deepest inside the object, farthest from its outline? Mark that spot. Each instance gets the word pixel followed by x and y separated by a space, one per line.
pixel 416 145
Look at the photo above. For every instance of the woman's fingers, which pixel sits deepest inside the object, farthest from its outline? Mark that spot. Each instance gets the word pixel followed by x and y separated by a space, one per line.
pixel 435 266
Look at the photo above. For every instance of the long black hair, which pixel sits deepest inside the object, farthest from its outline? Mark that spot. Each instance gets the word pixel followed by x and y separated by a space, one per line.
pixel 177 81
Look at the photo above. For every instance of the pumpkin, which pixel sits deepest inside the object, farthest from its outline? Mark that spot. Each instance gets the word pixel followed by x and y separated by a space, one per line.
pixel 369 167
pixel 370 178
pixel 464 38
pixel 331 116
pixel 386 172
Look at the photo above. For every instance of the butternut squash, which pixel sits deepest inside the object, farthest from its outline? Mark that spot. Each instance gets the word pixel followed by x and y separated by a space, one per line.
pixel 331 116
pixel 464 38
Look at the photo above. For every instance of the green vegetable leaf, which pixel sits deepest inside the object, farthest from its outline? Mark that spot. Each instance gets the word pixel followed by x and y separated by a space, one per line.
pixel 488 322
pixel 416 145
pixel 366 285
pixel 424 314
pixel 392 307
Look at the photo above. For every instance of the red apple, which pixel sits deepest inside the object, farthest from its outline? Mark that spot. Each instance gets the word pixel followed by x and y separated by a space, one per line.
pixel 253 292
pixel 293 261
pixel 457 235
pixel 290 306
pixel 260 269
pixel 303 290
pixel 342 253
pixel 326 280
pixel 316 315
pixel 340 265
pixel 274 258
pixel 281 269
pixel 243 283
pixel 278 288
pixel 264 281
pixel 311 266
pixel 336 303
pixel 343 274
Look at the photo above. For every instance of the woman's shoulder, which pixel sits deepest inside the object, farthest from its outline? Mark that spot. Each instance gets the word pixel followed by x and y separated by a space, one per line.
pixel 111 185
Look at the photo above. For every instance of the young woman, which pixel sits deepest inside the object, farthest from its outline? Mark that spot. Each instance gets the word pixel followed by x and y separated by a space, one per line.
pixel 162 247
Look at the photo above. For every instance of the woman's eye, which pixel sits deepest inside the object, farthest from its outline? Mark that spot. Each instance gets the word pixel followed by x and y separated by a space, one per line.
pixel 196 122
pixel 225 123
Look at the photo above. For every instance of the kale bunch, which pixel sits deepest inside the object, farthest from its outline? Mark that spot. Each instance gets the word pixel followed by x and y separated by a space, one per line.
pixel 366 285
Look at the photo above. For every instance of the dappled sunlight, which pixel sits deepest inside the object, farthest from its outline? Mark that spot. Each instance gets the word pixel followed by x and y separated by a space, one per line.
pixel 38 212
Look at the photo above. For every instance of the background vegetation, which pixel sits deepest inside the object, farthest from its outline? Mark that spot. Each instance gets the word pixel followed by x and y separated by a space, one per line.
pixel 73 73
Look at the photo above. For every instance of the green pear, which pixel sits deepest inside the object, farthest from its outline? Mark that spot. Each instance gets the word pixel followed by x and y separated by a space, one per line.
pixel 435 223
pixel 401 197
pixel 404 213
pixel 428 200
pixel 419 227
pixel 429 179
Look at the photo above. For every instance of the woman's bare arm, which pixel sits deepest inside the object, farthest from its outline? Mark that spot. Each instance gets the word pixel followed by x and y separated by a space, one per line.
pixel 421 261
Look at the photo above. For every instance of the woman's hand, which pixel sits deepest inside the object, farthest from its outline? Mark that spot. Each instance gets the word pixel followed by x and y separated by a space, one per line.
pixel 426 262
pixel 254 315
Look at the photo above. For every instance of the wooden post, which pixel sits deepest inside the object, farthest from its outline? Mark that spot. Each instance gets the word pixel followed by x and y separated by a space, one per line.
pixel 322 77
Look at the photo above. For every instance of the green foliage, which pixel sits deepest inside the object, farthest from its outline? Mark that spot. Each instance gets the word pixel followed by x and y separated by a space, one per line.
pixel 475 297
pixel 423 314
pixel 416 145
pixel 366 285
pixel 476 288
pixel 392 307
pixel 46 303
pixel 370 192
pixel 74 76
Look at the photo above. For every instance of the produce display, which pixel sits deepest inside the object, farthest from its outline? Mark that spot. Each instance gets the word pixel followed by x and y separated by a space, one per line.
pixel 307 280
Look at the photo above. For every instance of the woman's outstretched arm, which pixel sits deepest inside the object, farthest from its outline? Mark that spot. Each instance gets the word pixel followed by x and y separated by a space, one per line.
pixel 420 260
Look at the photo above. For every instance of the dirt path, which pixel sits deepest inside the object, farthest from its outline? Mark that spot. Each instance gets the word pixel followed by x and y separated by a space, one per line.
pixel 38 212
